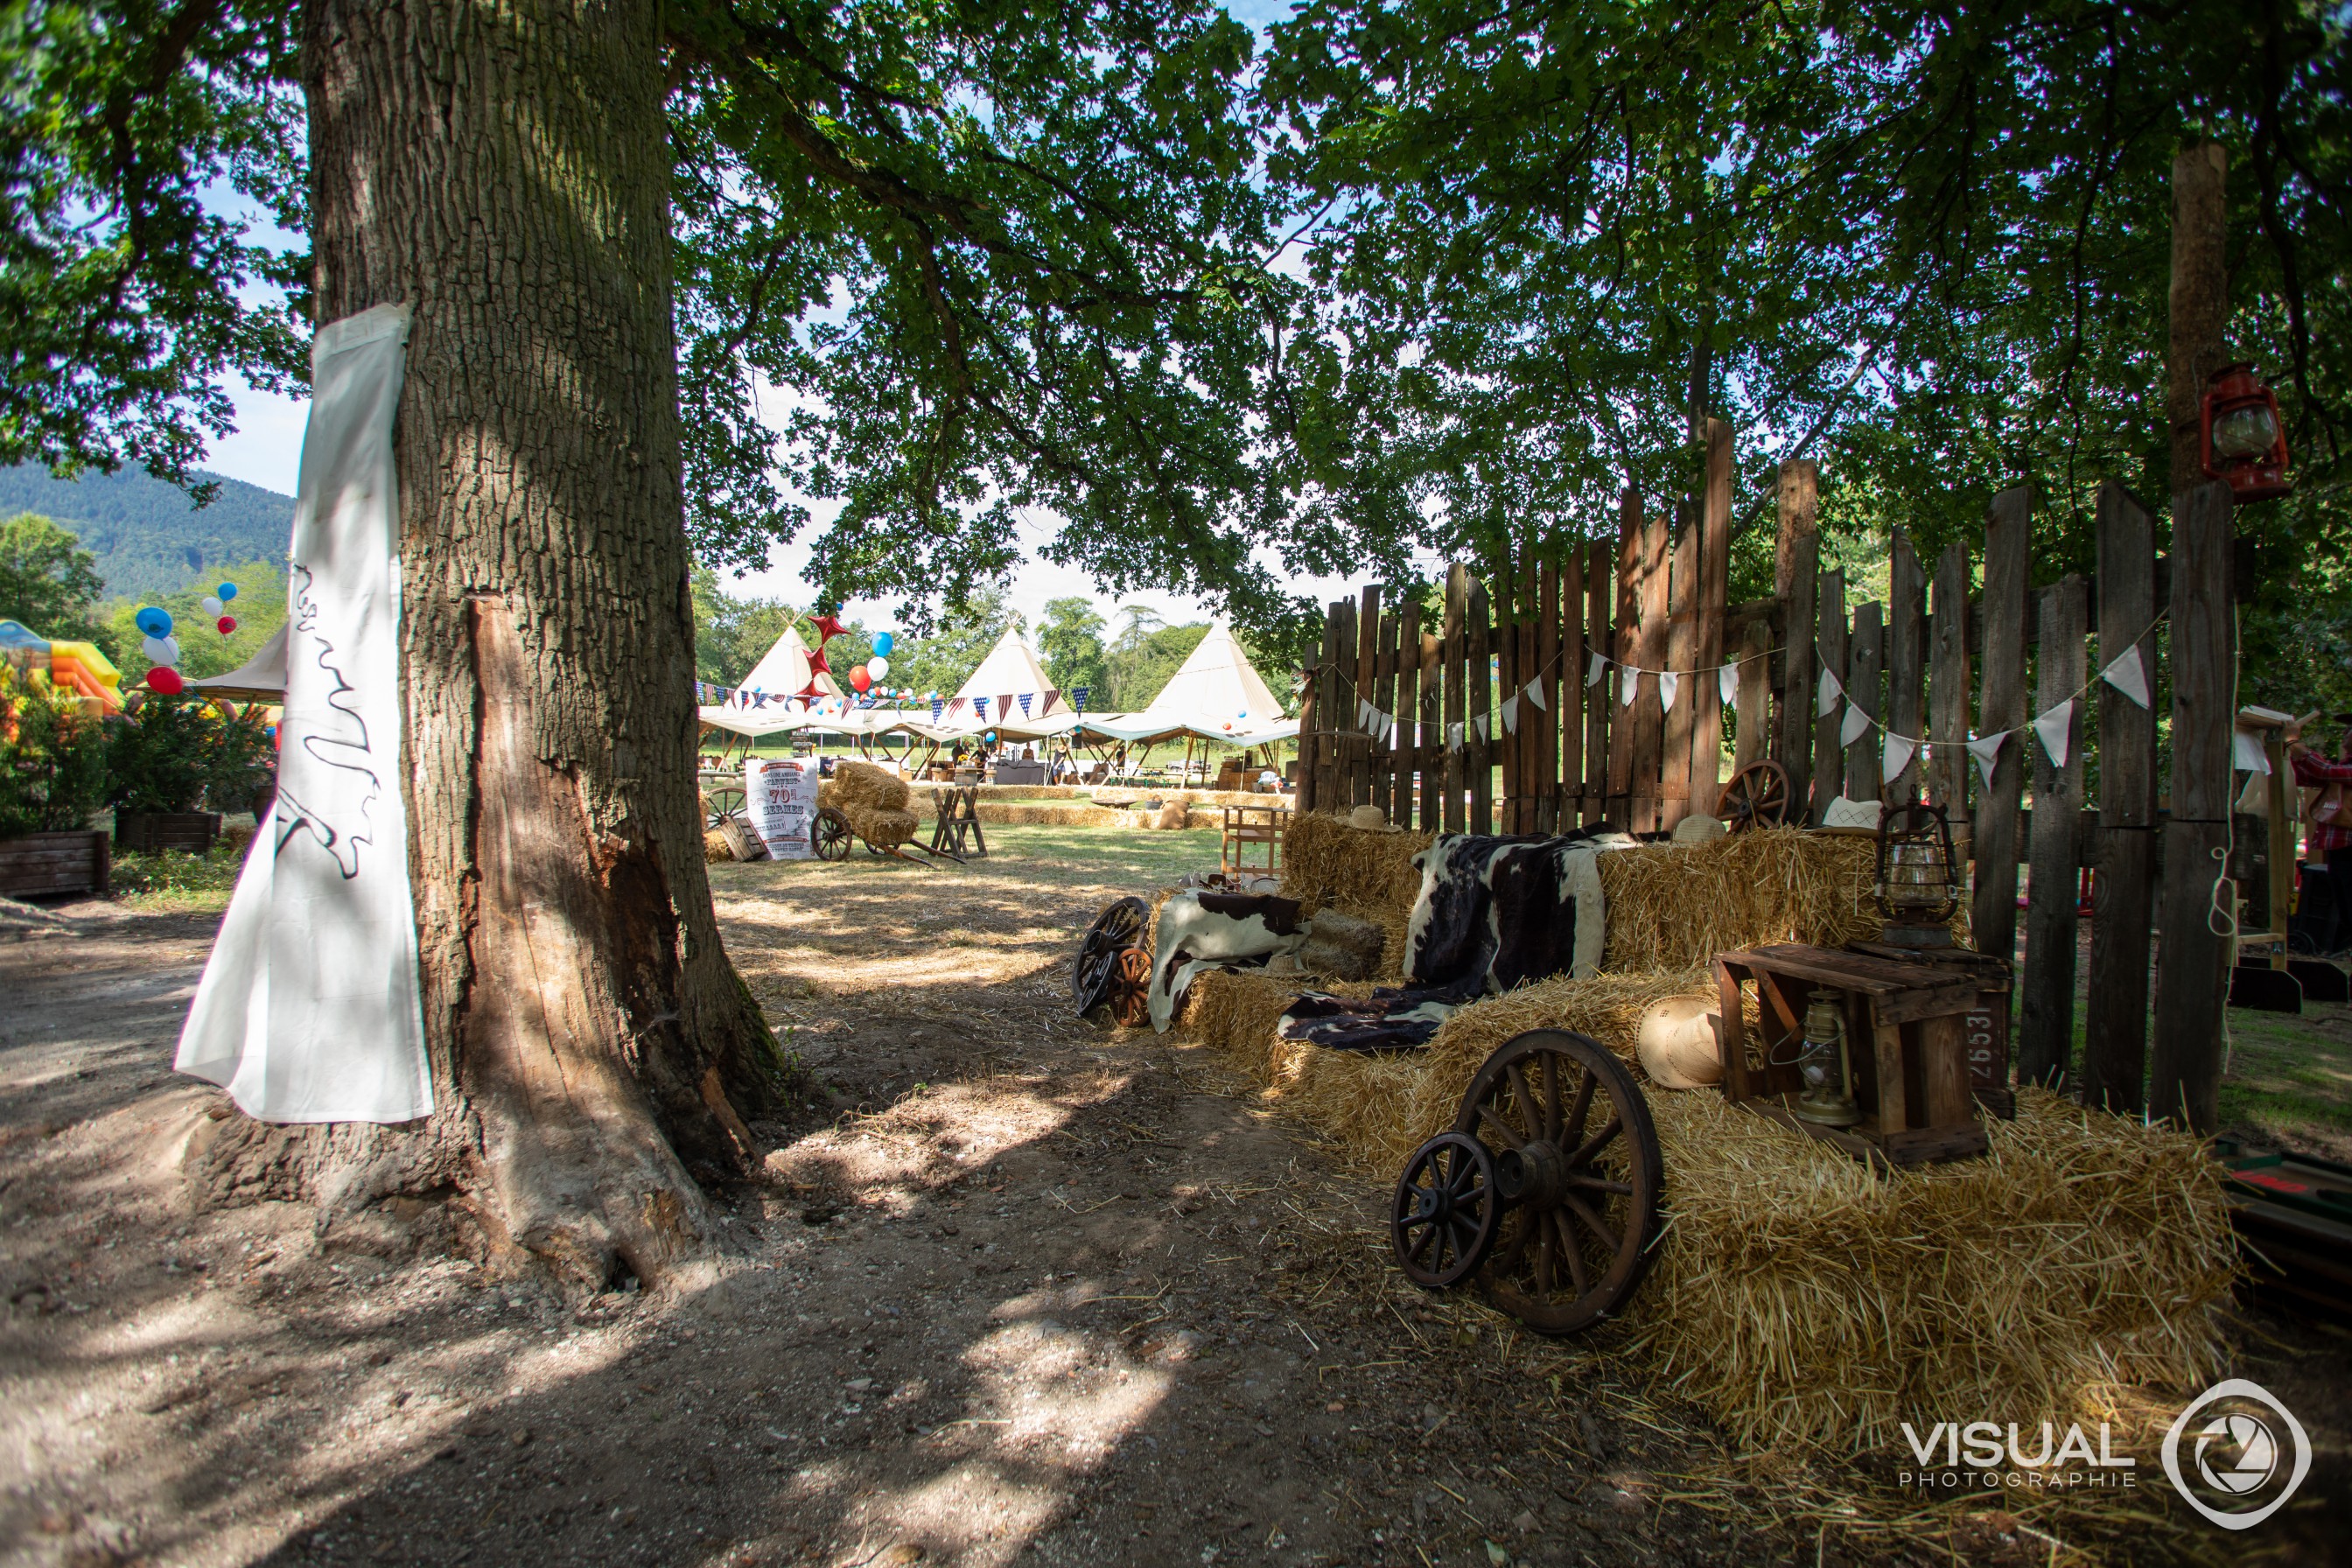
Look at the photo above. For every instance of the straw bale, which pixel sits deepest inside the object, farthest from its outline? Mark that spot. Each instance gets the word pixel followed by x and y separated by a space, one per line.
pixel 879 825
pixel 1366 872
pixel 863 783
pixel 1052 813
pixel 716 849
pixel 1358 1098
pixel 1675 906
pixel 1801 1299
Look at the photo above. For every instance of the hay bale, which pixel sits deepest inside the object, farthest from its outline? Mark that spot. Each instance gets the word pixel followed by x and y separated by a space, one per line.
pixel 862 783
pixel 881 827
pixel 1342 946
pixel 1802 1299
pixel 1675 906
pixel 716 849
pixel 1357 1098
pixel 1362 871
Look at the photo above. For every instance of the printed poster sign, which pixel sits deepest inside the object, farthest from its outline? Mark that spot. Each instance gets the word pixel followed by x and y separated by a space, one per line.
pixel 780 797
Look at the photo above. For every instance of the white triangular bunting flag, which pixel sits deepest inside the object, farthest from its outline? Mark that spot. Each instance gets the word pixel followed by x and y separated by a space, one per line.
pixel 1511 714
pixel 1668 684
pixel 1454 737
pixel 2053 728
pixel 2247 753
pixel 1857 721
pixel 1363 714
pixel 1629 686
pixel 2128 676
pixel 1727 683
pixel 1486 725
pixel 1535 695
pixel 1987 751
pixel 1594 668
pixel 1900 749
pixel 1826 694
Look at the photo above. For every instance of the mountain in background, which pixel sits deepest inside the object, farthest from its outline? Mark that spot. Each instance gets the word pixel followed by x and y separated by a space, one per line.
pixel 148 537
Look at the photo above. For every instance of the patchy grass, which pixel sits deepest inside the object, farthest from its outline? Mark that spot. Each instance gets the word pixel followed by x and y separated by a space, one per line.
pixel 2289 1080
pixel 1126 859
pixel 170 880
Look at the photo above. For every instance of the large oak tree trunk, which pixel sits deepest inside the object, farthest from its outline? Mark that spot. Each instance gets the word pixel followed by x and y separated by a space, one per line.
pixel 504 169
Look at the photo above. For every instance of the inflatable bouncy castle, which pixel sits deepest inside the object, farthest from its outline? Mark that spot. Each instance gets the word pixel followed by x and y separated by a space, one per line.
pixel 75 666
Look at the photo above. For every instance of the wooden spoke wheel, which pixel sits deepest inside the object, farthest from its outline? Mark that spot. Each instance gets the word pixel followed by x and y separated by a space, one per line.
pixel 1577 1163
pixel 720 801
pixel 1130 994
pixel 1445 1212
pixel 1759 796
pixel 830 835
pixel 1095 971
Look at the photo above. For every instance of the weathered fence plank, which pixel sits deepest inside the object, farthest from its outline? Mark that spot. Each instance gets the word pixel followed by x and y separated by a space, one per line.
pixel 1598 716
pixel 1713 598
pixel 1947 773
pixel 1625 649
pixel 1907 664
pixel 1794 750
pixel 2045 1039
pixel 1992 912
pixel 1457 605
pixel 1680 728
pixel 1829 646
pixel 1649 718
pixel 1433 730
pixel 1866 653
pixel 2114 1044
pixel 2193 984
pixel 1555 761
pixel 1478 654
pixel 1753 715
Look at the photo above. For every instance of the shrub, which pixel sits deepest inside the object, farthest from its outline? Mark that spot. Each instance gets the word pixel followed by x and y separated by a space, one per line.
pixel 178 753
pixel 52 757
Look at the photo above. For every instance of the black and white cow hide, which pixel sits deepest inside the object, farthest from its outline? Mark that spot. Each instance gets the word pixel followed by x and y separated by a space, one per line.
pixel 1198 931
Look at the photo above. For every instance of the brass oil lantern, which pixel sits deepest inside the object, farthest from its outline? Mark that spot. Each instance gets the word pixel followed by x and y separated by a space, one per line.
pixel 1918 877
pixel 1826 1064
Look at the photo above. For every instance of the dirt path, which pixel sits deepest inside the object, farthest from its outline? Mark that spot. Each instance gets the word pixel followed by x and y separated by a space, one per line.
pixel 1049 1296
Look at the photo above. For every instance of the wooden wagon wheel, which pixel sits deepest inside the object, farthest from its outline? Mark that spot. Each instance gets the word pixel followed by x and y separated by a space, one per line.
pixel 1757 796
pixel 1445 1211
pixel 1576 1161
pixel 720 801
pixel 830 835
pixel 1119 928
pixel 1130 993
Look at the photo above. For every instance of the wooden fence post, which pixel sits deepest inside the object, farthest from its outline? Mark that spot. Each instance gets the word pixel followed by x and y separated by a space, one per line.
pixel 1503 651
pixel 1625 648
pixel 2192 985
pixel 1795 750
pixel 1363 659
pixel 1907 665
pixel 1433 729
pixel 2115 1044
pixel 2045 1040
pixel 1713 600
pixel 1754 741
pixel 1797 497
pixel 1992 912
pixel 1864 657
pixel 1650 654
pixel 1309 717
pixel 1479 672
pixel 1408 709
pixel 1948 763
pixel 1553 725
pixel 1458 602
pixel 1597 597
pixel 1680 728
pixel 1829 752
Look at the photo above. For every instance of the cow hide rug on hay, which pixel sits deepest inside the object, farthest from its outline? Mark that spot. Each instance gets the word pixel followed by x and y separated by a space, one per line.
pixel 1493 914
pixel 1198 931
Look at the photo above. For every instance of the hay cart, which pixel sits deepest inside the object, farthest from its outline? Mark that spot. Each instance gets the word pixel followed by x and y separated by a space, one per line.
pixel 832 836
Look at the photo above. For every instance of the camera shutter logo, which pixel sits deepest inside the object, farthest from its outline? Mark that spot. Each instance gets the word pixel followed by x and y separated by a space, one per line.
pixel 2238 1452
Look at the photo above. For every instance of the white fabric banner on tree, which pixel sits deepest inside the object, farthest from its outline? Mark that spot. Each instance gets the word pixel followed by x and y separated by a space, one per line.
pixel 1726 684
pixel 308 1007
pixel 1825 696
pixel 2053 727
pixel 2127 675
pixel 1668 684
pixel 1900 750
pixel 1987 751
pixel 1855 723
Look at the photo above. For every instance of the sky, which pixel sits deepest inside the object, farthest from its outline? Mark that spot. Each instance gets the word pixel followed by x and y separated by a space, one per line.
pixel 265 451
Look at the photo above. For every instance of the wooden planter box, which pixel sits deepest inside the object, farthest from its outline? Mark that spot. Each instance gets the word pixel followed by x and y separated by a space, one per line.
pixel 40 864
pixel 193 832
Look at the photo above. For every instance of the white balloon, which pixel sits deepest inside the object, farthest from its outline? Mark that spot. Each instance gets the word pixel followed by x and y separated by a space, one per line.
pixel 877 667
pixel 212 607
pixel 157 650
pixel 172 648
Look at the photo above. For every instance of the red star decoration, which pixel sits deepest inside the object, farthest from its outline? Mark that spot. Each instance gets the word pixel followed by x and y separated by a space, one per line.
pixel 811 690
pixel 816 662
pixel 826 627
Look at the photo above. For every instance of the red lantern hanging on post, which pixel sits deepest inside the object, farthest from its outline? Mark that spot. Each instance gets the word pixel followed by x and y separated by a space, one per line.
pixel 2243 438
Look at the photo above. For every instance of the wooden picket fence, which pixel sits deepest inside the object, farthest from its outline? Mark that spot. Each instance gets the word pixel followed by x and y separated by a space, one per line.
pixel 1479 716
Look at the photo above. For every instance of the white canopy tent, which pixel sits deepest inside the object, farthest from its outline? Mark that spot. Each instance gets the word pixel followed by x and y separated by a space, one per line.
pixel 261 679
pixel 1216 695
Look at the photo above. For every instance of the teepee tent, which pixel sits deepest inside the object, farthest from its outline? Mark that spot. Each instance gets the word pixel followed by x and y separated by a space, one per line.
pixel 1217 695
pixel 762 705
pixel 1009 673
pixel 783 670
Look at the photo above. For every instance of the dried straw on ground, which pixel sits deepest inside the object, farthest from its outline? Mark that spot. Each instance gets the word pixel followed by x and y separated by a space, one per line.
pixel 1798 1297
pixel 716 849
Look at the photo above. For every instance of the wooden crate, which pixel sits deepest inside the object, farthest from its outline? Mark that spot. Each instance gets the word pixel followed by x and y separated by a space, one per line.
pixel 1906 1027
pixel 44 864
pixel 146 832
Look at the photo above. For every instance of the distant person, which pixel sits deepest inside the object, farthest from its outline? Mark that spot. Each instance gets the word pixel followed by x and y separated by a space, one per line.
pixel 2327 838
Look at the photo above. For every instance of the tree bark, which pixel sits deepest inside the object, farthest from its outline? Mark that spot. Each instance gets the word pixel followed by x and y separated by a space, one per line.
pixel 504 168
